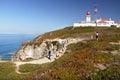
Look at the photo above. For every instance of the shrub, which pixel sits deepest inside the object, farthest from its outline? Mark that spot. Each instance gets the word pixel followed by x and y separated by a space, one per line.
pixel 113 26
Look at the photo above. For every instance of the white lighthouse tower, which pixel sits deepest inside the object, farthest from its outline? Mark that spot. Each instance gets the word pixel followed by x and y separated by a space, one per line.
pixel 88 17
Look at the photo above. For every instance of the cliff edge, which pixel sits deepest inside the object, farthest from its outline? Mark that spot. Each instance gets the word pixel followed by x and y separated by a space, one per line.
pixel 51 41
pixel 36 51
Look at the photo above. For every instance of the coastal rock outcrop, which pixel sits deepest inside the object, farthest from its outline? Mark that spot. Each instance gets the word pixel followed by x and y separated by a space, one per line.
pixel 31 50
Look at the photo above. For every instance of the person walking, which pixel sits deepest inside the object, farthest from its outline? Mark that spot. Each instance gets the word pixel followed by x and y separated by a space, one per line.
pixel 49 54
pixel 63 44
pixel 97 35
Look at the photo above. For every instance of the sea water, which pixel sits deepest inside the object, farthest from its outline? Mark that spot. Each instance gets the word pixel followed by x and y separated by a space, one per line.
pixel 10 43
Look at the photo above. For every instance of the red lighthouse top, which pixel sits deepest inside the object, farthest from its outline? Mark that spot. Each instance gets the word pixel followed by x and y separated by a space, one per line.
pixel 88 13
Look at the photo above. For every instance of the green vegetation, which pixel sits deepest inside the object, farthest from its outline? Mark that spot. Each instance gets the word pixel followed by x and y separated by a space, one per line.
pixel 113 26
pixel 112 73
pixel 53 43
pixel 7 72
pixel 28 59
pixel 80 32
pixel 57 44
pixel 29 68
pixel 115 47
pixel 37 43
pixel 67 32
pixel 104 58
pixel 78 61
pixel 80 58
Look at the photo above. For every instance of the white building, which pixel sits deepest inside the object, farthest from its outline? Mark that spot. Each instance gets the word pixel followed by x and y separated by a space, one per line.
pixel 99 22
pixel 118 24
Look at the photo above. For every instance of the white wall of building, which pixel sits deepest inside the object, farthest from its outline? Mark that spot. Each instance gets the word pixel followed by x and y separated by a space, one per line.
pixel 94 24
pixel 118 25
pixel 83 24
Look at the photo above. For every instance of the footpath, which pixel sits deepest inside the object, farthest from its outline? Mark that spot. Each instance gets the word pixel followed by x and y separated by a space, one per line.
pixel 53 56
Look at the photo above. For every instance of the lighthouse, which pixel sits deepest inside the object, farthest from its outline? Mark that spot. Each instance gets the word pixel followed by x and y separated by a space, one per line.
pixel 88 17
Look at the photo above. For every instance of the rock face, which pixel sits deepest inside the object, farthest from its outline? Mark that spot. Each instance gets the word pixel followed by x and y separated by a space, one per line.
pixel 35 51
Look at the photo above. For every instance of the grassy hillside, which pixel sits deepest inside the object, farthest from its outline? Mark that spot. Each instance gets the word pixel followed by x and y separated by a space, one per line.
pixel 78 32
pixel 66 32
pixel 81 60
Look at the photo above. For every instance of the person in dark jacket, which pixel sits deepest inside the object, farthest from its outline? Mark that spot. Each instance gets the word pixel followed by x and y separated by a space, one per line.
pixel 49 54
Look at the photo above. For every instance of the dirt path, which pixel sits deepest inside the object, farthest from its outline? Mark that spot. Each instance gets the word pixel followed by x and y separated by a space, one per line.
pixel 117 43
pixel 53 56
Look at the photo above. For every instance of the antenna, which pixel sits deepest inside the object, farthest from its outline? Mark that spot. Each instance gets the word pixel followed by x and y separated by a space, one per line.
pixel 0 57
pixel 95 12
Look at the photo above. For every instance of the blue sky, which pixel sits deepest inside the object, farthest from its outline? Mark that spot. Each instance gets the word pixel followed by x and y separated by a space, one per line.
pixel 39 16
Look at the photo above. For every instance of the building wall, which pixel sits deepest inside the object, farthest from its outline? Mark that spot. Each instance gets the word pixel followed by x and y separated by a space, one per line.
pixel 94 24
pixel 83 24
pixel 118 25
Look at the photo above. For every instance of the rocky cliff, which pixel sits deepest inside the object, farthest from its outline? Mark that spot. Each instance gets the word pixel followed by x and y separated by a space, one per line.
pixel 39 47
pixel 32 50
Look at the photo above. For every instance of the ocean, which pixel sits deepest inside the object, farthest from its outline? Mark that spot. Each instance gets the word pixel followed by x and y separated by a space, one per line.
pixel 10 43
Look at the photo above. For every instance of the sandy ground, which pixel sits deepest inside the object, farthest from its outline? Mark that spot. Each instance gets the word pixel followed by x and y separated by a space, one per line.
pixel 4 61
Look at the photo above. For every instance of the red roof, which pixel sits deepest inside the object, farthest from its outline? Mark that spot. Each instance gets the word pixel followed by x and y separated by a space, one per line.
pixel 88 13
pixel 103 21
pixel 118 22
